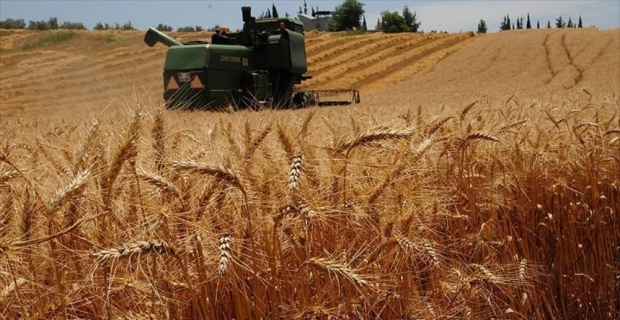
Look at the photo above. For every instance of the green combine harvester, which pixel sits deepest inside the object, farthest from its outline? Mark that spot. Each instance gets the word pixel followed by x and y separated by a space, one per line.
pixel 255 68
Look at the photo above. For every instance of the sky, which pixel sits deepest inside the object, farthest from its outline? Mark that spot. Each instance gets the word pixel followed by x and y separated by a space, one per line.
pixel 450 16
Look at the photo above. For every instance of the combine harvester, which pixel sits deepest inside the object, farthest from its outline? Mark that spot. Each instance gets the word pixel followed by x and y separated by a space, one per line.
pixel 258 67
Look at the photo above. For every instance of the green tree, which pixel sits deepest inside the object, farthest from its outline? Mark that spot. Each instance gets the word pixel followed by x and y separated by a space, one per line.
pixel 12 24
pixel 163 27
pixel 580 24
pixel 482 26
pixel 570 23
pixel 347 16
pixel 128 26
pixel 528 24
pixel 548 24
pixel 537 24
pixel 364 25
pixel 411 21
pixel 392 22
pixel 72 25
pixel 274 11
pixel 186 29
pixel 505 25
pixel 560 23
pixel 53 23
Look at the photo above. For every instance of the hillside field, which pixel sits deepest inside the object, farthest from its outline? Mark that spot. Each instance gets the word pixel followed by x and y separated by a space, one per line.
pixel 479 178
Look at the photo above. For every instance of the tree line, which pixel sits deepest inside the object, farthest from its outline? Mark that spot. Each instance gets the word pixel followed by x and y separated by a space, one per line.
pixel 508 24
pixel 50 24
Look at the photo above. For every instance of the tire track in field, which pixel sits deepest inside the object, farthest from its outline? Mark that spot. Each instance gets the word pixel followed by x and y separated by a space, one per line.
pixel 571 62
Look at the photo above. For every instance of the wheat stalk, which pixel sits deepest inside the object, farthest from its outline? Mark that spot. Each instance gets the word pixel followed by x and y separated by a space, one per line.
pixel 139 248
pixel 612 131
pixel 159 141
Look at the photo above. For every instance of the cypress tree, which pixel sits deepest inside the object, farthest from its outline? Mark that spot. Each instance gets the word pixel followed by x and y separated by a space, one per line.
pixel 528 24
pixel 579 24
pixel 274 11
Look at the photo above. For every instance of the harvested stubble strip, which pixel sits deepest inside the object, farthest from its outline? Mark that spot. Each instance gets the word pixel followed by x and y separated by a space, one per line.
pixel 139 247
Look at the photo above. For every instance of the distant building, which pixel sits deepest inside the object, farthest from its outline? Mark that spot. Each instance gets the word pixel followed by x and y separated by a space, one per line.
pixel 319 21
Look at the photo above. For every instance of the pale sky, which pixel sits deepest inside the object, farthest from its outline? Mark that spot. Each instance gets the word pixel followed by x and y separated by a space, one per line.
pixel 451 16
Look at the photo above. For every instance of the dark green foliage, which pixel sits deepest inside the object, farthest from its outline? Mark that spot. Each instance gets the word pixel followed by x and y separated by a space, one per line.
pixel 392 22
pixel 163 27
pixel 520 23
pixel 482 26
pixel 186 29
pixel 72 25
pixel 12 24
pixel 548 24
pixel 411 21
pixel 560 23
pixel 274 11
pixel 570 23
pixel 50 24
pixel 347 16
pixel 505 25
pixel 528 24
pixel 579 24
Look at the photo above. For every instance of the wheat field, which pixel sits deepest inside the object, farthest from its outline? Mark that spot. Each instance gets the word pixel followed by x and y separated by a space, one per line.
pixel 481 183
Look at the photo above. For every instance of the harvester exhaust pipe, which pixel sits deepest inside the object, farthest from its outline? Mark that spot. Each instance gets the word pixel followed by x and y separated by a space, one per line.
pixel 247 14
pixel 153 36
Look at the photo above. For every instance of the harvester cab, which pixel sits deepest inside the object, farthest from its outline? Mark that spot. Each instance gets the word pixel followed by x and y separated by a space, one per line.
pixel 258 66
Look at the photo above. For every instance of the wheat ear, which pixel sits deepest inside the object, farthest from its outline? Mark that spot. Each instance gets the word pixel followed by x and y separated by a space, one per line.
pixel 70 191
pixel 225 251
pixel 295 173
pixel 338 269
pixel 373 135
pixel 219 172
pixel 158 181
pixel 139 247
